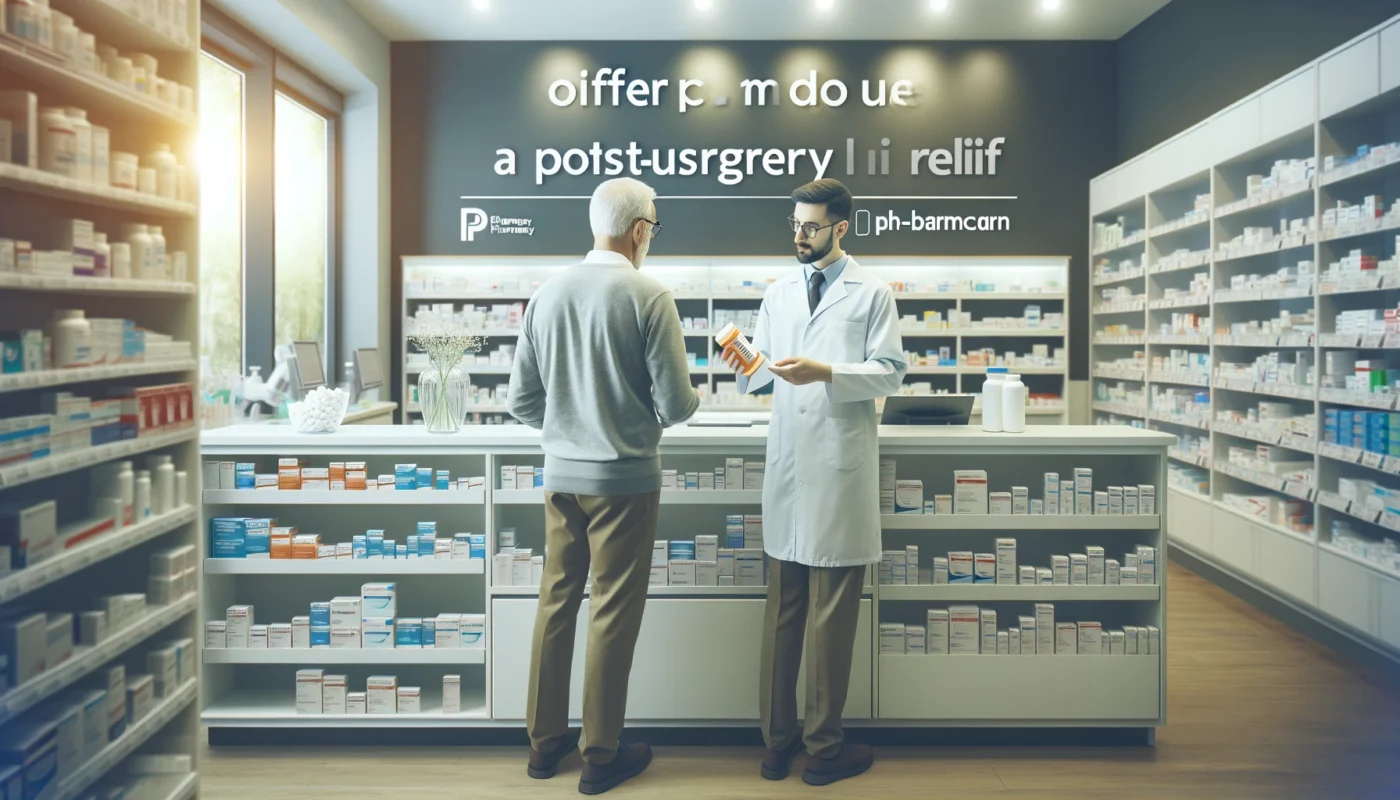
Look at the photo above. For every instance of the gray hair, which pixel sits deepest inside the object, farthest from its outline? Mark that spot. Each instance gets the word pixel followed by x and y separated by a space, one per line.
pixel 617 204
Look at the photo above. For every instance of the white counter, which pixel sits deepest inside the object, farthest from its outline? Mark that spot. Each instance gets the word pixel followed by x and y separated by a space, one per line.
pixel 403 438
pixel 699 646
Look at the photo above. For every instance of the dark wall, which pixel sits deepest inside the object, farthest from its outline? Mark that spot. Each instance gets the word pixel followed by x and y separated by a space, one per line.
pixel 455 103
pixel 1194 57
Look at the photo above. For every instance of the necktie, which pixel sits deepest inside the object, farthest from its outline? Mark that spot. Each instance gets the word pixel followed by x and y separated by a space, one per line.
pixel 814 290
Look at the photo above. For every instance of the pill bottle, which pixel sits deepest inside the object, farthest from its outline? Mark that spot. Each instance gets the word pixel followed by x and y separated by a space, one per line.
pixel 991 399
pixel 101 147
pixel 162 264
pixel 123 170
pixel 82 161
pixel 143 252
pixel 121 260
pixel 72 338
pixel 142 500
pixel 730 339
pixel 58 143
pixel 101 256
pixel 1013 405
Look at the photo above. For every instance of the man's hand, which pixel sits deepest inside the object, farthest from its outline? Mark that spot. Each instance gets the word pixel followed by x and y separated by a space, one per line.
pixel 801 371
pixel 731 358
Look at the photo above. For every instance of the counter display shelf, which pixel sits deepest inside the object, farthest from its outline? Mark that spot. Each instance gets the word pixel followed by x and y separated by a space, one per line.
pixel 693 636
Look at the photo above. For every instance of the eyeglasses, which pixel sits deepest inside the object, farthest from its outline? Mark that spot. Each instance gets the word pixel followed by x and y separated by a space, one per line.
pixel 655 226
pixel 809 229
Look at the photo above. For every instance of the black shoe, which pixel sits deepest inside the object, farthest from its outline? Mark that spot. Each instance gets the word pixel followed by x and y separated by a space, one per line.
pixel 777 763
pixel 543 765
pixel 631 761
pixel 850 761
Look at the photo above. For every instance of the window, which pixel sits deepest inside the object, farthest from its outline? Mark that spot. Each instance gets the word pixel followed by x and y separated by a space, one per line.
pixel 221 218
pixel 302 206
pixel 268 190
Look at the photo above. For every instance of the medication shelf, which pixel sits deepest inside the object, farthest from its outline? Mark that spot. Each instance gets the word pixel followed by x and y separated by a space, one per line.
pixel 683 623
pixel 712 376
pixel 21 381
pixel 102 547
pixel 277 709
pixel 344 566
pixel 1325 109
pixel 87 659
pixel 318 656
pixel 77 284
pixel 71 579
pixel 39 182
pixel 379 497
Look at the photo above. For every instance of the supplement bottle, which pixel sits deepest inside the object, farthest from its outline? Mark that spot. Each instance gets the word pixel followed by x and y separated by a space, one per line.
pixel 72 338
pixel 162 264
pixel 101 256
pixel 166 169
pixel 143 252
pixel 82 155
pixel 143 495
pixel 1013 405
pixel 58 143
pixel 731 340
pixel 991 399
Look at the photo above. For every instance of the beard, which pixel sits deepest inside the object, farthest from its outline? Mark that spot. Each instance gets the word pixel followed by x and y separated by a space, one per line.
pixel 814 252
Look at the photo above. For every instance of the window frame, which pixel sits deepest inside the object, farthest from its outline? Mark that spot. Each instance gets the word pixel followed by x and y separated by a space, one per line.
pixel 266 72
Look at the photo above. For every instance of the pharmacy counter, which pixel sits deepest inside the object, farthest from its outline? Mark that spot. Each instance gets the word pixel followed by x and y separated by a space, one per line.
pixel 697 659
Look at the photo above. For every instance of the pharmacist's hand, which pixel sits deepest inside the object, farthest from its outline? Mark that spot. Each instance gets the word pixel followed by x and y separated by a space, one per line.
pixel 801 371
pixel 731 358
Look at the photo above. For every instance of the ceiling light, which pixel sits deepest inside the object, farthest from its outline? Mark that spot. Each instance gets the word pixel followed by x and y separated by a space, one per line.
pixel 481 5
pixel 1050 5
pixel 938 5
pixel 825 5
pixel 704 5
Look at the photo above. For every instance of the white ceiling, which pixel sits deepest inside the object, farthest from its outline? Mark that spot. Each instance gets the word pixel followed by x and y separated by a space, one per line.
pixel 564 20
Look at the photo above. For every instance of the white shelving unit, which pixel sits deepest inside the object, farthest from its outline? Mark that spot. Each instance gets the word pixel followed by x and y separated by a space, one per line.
pixel 1347 98
pixel 34 203
pixel 705 287
pixel 254 688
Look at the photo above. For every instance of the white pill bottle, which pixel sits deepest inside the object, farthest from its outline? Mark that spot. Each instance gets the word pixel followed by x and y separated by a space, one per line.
pixel 1013 405
pixel 991 399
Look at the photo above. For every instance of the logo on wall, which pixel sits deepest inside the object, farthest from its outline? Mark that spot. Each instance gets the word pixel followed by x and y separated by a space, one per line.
pixel 476 220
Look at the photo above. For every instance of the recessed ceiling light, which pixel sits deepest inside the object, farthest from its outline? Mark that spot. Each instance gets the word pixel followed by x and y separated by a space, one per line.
pixel 704 5
pixel 481 5
pixel 825 5
pixel 1050 5
pixel 938 5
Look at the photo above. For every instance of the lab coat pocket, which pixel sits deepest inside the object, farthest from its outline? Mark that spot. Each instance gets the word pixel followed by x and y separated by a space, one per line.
pixel 845 444
pixel 845 340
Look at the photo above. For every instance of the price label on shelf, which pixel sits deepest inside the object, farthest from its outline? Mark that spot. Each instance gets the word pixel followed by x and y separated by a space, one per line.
pixel 1390 521
pixel 1372 460
pixel 1391 464
pixel 1372 340
pixel 1302 491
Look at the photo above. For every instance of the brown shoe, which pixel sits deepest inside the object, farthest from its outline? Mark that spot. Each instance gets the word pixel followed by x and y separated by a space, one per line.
pixel 542 765
pixel 852 760
pixel 631 761
pixel 776 763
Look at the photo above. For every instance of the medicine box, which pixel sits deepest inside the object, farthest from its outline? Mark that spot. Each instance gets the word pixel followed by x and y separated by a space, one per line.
pixel 1083 490
pixel 1052 493
pixel 1066 638
pixel 999 503
pixel 706 547
pixel 1059 565
pixel 29 531
pixel 24 644
pixel 377 633
pixel 382 694
pixel 939 573
pixel 452 694
pixel 748 567
pixel 1130 500
pixel 345 637
pixel 937 632
pixel 1045 631
pixel 473 629
pixel 1078 569
pixel 1095 559
pixel 1006 562
pixel 915 640
pixel 239 625
pixel 988 618
pixel 960 567
pixel 984 568
pixel 378 599
pixel 333 691
pixel 964 630
pixel 970 491
pixel 1028 639
pixel 1020 500
pixel 892 638
pixel 1090 638
pixel 706 573
pixel 410 700
pixel 681 572
pixel 447 631
pixel 909 497
pixel 1147 565
pixel 408 633
pixel 753 476
pixel 1066 497
pixel 1147 499
pixel 279 636
pixel 355 703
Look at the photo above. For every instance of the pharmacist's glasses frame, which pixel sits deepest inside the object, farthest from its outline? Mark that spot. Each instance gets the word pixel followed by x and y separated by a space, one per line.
pixel 809 229
pixel 655 226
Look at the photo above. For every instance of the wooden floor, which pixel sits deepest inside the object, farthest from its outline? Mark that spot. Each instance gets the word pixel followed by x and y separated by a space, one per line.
pixel 1254 711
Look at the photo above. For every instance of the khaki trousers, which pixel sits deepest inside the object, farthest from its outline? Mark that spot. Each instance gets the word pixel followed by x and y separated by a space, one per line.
pixel 828 598
pixel 614 535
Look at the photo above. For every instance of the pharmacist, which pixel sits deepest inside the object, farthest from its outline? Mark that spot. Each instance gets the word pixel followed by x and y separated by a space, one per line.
pixel 834 332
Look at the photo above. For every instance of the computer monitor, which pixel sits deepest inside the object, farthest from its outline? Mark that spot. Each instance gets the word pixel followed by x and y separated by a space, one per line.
pixel 927 409
pixel 310 369
pixel 368 372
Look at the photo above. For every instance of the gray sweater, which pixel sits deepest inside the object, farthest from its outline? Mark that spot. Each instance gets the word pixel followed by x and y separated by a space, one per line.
pixel 601 368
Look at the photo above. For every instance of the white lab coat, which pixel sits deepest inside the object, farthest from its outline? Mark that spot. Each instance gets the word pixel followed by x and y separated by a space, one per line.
pixel 821 491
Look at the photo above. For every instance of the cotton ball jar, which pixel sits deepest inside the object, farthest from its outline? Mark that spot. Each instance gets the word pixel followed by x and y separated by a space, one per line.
pixel 321 411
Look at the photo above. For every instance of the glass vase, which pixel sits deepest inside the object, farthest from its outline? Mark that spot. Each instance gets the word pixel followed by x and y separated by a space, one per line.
pixel 443 398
